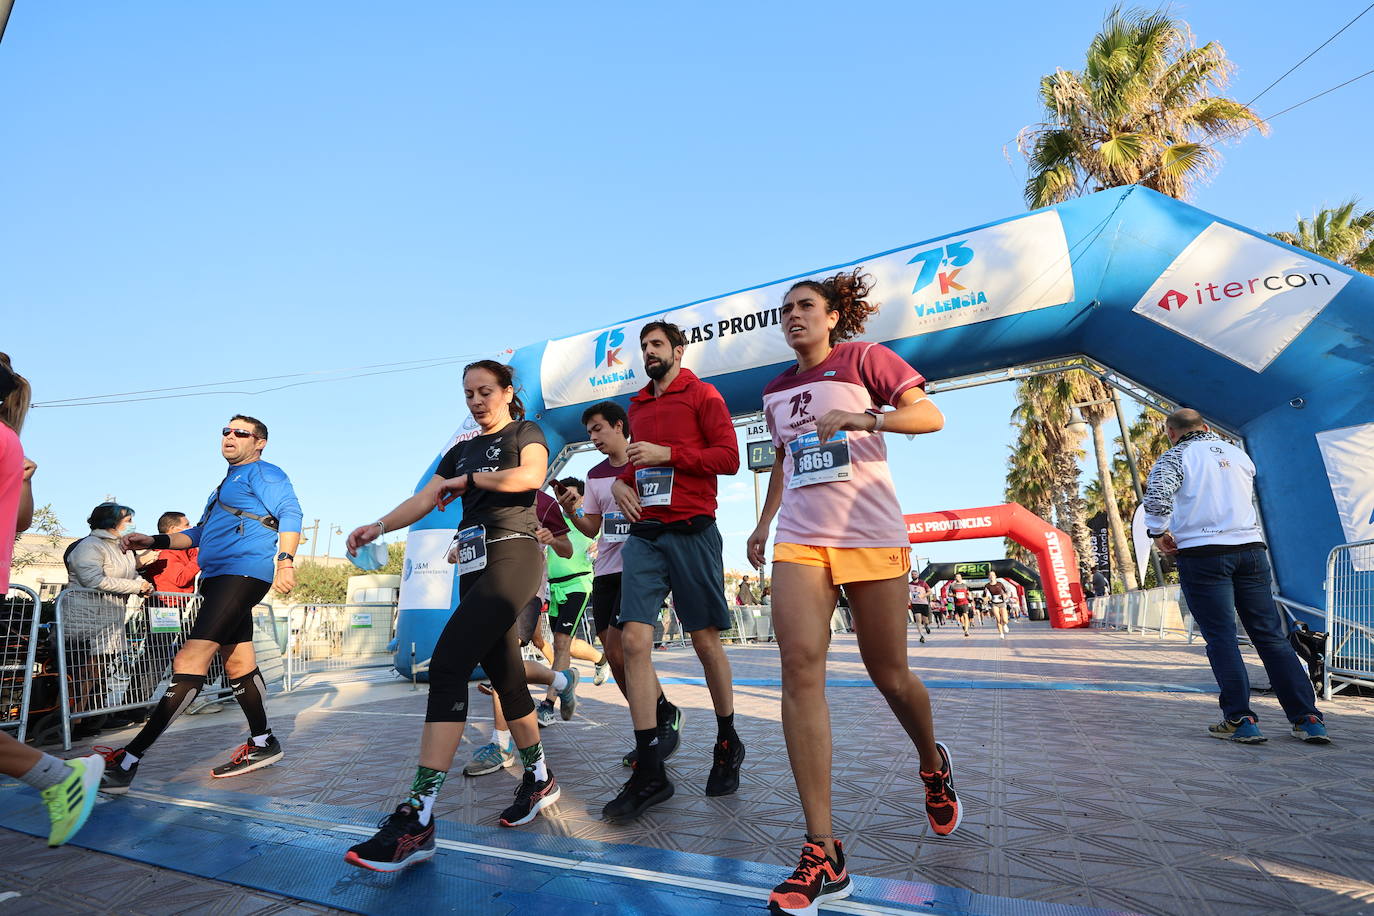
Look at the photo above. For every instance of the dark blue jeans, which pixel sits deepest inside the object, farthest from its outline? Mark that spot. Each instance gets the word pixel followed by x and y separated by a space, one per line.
pixel 1217 590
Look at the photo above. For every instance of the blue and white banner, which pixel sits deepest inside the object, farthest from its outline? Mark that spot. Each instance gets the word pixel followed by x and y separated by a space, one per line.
pixel 1016 266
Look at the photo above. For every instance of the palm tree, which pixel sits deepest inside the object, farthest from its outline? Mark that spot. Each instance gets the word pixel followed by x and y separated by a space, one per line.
pixel 1145 109
pixel 1046 444
pixel 1343 234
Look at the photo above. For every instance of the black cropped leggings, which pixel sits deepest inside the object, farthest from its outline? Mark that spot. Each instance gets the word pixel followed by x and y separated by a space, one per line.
pixel 482 630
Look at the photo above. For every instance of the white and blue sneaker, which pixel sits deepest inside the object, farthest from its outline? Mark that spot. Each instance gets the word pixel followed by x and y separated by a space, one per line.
pixel 567 697
pixel 489 758
pixel 1244 730
pixel 1312 730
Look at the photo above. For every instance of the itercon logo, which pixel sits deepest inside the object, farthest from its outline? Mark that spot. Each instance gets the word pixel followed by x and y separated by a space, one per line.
pixel 942 266
pixel 609 365
pixel 1274 283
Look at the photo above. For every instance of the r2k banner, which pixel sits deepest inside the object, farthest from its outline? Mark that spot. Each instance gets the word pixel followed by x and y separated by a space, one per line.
pixel 1239 295
pixel 1012 267
pixel 1347 453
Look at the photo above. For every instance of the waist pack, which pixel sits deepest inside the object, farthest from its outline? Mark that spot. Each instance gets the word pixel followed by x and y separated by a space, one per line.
pixel 650 529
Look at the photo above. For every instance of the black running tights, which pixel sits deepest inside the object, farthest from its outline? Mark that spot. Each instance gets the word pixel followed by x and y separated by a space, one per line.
pixel 482 630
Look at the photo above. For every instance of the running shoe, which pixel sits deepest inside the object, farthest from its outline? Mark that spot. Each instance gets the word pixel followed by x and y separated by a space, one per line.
pixel 923 637
pixel 545 714
pixel 639 794
pixel 603 673
pixel 1311 730
pixel 115 780
pixel 724 778
pixel 942 803
pixel 669 737
pixel 1244 730
pixel 489 758
pixel 249 757
pixel 816 880
pixel 531 797
pixel 70 801
pixel 567 697
pixel 401 841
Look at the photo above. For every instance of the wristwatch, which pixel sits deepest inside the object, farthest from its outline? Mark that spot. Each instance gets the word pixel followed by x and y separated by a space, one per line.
pixel 285 556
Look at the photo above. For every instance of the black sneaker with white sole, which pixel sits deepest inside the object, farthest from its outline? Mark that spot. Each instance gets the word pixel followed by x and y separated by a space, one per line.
pixel 531 797
pixel 400 842
pixel 724 776
pixel 116 779
pixel 249 757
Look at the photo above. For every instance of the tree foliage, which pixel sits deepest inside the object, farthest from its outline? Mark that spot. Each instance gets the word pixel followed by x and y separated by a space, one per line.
pixel 1145 109
pixel 1343 234
pixel 45 523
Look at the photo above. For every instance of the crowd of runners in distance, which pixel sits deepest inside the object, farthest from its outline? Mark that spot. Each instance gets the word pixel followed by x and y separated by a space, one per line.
pixel 640 527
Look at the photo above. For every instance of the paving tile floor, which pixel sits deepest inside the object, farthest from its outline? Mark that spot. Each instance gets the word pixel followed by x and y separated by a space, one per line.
pixel 1112 798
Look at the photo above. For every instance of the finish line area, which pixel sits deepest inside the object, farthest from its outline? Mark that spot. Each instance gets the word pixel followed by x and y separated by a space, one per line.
pixel 1082 757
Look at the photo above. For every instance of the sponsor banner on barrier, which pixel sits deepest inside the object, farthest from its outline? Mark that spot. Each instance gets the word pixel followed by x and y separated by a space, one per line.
pixel 1013 267
pixel 1346 453
pixel 1240 296
pixel 427 575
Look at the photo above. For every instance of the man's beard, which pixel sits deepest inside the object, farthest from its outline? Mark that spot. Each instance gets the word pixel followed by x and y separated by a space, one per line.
pixel 656 370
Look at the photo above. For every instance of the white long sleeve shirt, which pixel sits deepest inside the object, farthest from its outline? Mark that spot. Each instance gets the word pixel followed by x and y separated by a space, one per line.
pixel 1203 492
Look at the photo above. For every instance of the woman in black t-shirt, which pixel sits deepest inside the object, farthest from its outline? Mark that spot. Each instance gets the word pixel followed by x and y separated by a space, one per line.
pixel 498 552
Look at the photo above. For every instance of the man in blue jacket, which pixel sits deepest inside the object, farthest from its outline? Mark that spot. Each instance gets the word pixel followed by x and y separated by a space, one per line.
pixel 247 538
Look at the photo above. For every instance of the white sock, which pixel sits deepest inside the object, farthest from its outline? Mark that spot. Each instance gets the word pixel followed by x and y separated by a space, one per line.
pixel 500 738
pixel 560 681
pixel 261 740
pixel 49 771
pixel 128 761
pixel 541 770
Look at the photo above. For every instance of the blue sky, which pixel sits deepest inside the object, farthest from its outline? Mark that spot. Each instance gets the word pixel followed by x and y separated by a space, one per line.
pixel 197 193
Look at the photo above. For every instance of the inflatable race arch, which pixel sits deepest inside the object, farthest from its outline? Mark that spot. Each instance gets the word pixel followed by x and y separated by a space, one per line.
pixel 1272 344
pixel 1053 550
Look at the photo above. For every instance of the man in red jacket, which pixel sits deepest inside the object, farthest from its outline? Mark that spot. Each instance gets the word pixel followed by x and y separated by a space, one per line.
pixel 173 570
pixel 683 440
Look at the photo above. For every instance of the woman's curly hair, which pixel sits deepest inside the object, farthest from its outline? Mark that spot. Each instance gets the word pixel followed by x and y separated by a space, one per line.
pixel 846 293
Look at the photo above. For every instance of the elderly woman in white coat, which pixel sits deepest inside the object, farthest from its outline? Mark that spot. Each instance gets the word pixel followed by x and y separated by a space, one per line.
pixel 93 624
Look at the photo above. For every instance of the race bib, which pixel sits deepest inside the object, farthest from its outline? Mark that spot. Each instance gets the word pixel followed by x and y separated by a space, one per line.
pixel 472 549
pixel 814 462
pixel 164 620
pixel 655 486
pixel 615 528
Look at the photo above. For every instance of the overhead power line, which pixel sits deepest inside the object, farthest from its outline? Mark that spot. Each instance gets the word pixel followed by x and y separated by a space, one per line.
pixel 316 377
pixel 1309 56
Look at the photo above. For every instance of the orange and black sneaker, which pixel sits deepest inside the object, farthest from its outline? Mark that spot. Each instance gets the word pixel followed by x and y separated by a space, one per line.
pixel 816 880
pixel 942 804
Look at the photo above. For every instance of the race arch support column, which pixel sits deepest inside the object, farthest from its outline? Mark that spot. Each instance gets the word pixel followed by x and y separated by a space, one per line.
pixel 1052 548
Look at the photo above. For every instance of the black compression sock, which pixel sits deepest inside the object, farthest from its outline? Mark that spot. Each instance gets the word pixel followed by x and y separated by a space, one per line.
pixel 251 691
pixel 182 693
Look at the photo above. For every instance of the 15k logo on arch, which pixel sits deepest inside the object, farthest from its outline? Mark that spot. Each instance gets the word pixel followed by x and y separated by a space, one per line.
pixel 941 266
pixel 609 363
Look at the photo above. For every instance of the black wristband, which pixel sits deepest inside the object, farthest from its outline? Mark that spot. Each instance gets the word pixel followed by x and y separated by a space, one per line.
pixel 162 541
pixel 472 483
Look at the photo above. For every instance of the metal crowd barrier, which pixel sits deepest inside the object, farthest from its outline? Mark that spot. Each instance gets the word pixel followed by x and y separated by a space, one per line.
pixel 1159 611
pixel 19 640
pixel 115 651
pixel 1349 618
pixel 337 637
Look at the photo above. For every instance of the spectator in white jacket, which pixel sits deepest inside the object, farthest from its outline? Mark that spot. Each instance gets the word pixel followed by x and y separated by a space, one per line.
pixel 93 625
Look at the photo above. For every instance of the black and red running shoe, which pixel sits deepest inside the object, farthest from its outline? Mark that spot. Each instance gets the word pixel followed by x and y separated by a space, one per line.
pixel 402 841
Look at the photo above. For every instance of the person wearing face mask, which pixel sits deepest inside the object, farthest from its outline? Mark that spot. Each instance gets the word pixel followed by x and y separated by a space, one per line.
pixel 497 475
pixel 839 524
pixel 93 624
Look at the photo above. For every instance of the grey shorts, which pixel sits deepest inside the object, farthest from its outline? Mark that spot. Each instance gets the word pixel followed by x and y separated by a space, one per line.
pixel 691 566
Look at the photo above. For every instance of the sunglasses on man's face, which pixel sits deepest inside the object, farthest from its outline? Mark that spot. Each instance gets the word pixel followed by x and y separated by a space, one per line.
pixel 236 433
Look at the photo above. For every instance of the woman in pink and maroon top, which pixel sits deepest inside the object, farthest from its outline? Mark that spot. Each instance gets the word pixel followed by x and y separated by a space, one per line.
pixel 839 524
